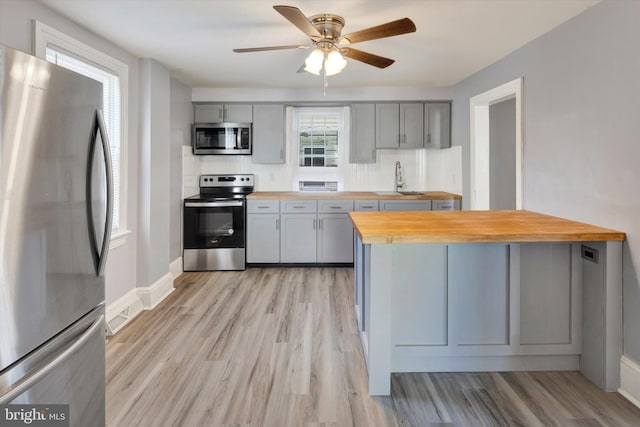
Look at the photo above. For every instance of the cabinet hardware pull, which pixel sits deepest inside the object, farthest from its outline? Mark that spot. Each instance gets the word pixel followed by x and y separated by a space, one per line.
pixel 298 207
pixel 263 207
pixel 335 207
pixel 314 224
pixel 319 224
pixel 277 224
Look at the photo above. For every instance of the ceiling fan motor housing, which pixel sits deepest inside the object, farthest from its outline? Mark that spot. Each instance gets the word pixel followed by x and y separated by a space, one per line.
pixel 330 26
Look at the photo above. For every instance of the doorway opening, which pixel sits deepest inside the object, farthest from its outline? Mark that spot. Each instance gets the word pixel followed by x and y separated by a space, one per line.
pixel 480 145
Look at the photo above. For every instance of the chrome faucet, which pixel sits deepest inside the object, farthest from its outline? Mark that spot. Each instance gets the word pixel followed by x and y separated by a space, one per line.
pixel 399 181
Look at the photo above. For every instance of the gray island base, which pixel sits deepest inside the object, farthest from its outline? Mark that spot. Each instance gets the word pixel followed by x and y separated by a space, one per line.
pixel 488 306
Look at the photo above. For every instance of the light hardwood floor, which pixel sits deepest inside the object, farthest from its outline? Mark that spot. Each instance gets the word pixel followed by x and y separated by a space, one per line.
pixel 279 347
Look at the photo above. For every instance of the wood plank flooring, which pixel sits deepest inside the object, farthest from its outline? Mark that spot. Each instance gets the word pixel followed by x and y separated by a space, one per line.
pixel 279 347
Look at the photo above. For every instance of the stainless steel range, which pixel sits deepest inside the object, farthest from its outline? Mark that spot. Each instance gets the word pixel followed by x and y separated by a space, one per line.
pixel 215 224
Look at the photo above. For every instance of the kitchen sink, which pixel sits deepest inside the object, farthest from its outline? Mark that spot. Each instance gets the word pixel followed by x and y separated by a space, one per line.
pixel 412 193
pixel 387 193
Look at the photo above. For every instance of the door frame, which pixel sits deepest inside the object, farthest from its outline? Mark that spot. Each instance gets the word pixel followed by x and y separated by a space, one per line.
pixel 479 141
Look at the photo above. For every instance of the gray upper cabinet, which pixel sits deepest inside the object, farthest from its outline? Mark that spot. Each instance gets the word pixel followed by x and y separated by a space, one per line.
pixel 363 134
pixel 238 113
pixel 400 125
pixel 387 125
pixel 411 125
pixel 268 134
pixel 437 123
pixel 218 113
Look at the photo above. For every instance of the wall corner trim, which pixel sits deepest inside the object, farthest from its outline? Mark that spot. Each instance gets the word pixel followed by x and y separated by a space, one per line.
pixel 152 295
pixel 630 380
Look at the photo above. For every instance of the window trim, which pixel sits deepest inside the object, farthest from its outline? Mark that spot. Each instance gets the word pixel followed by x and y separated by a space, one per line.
pixel 44 35
pixel 301 173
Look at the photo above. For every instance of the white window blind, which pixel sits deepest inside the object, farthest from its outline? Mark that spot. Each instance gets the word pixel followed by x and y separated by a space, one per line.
pixel 112 110
pixel 318 133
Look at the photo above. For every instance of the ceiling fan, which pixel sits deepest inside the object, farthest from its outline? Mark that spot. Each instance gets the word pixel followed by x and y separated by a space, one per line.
pixel 331 46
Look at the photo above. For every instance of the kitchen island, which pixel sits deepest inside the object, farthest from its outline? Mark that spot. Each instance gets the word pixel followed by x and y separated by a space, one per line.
pixel 487 291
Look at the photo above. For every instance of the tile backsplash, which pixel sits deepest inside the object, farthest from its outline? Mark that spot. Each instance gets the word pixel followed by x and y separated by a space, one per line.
pixel 422 170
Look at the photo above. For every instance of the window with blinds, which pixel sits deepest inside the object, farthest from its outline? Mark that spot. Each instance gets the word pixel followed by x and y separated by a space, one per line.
pixel 112 111
pixel 318 134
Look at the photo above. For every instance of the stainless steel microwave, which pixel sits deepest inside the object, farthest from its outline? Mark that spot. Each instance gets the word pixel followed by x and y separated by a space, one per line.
pixel 222 138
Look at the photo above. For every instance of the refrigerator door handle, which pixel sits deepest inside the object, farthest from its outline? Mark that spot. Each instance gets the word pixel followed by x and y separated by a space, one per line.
pixel 28 381
pixel 102 254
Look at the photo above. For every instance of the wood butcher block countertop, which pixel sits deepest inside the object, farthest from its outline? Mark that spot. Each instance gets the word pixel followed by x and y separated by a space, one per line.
pixel 473 226
pixel 353 195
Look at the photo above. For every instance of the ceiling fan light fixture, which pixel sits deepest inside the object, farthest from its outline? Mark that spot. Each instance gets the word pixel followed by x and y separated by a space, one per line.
pixel 313 63
pixel 334 63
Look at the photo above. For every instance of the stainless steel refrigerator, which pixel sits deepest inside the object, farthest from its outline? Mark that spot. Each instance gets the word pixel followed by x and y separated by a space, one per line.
pixel 55 224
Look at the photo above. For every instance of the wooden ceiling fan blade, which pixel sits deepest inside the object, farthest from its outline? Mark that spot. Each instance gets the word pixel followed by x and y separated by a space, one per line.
pixel 260 49
pixel 366 57
pixel 297 18
pixel 393 28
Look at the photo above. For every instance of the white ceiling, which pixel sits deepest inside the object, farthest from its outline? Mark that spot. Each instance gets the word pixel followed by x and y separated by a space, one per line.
pixel 194 38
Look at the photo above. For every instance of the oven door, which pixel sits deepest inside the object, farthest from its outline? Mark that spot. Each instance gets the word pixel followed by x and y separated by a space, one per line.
pixel 214 236
pixel 213 225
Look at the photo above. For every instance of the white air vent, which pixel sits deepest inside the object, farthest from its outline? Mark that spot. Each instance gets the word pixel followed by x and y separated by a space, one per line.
pixel 318 185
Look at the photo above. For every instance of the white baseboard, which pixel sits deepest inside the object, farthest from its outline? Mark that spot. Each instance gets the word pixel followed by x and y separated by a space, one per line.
pixel 122 311
pixel 152 295
pixel 175 268
pixel 630 380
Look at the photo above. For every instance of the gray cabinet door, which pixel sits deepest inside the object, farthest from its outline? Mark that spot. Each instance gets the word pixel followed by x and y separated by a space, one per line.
pixel 238 113
pixel 335 238
pixel 363 134
pixel 263 238
pixel 411 125
pixel 208 113
pixel 387 125
pixel 298 238
pixel 437 121
pixel 268 134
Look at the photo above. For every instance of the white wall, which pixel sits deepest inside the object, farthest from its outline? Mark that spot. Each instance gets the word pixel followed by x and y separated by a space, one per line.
pixel 16 31
pixel 181 119
pixel 581 139
pixel 154 173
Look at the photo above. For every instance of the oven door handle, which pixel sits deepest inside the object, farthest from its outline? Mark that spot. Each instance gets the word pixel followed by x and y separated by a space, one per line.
pixel 213 204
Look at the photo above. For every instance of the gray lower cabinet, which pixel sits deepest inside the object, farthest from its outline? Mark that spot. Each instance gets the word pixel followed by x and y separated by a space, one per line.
pixel 405 205
pixel 263 231
pixel 335 238
pixel 268 134
pixel 263 238
pixel 362 147
pixel 446 205
pixel 298 239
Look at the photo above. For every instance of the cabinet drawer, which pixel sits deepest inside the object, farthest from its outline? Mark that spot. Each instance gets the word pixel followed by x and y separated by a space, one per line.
pixel 298 206
pixel 263 206
pixel 446 205
pixel 335 206
pixel 405 205
pixel 366 205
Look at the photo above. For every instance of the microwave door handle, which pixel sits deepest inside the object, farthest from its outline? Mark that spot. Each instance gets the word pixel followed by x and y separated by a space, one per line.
pixel 101 254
